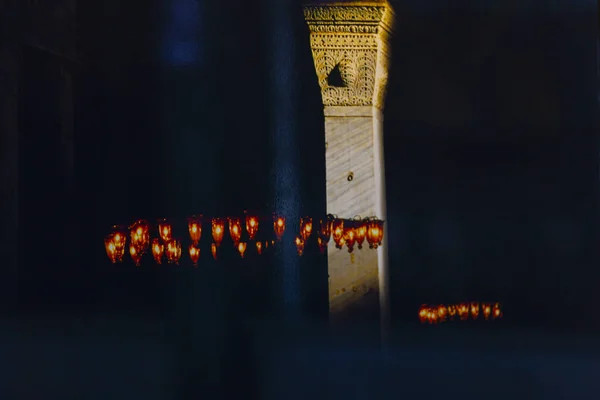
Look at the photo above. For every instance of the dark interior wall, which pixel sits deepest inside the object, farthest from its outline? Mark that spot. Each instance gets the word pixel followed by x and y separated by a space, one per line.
pixel 491 157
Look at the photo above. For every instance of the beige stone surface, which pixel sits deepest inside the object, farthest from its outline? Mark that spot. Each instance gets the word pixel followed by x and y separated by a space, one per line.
pixel 351 40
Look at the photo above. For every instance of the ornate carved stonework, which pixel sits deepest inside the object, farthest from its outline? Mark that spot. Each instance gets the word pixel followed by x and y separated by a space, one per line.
pixel 351 40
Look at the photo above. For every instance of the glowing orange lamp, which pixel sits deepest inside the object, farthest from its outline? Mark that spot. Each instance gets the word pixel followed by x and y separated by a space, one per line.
pixel 194 254
pixel 423 313
pixel 259 248
pixel 173 251
pixel 111 250
pixel 299 245
pixel 361 232
pixel 195 229
pixel 349 235
pixel 241 247
pixel 442 313
pixel 251 226
pixel 374 233
pixel 235 230
pixel 218 230
pixel 140 236
pixel 463 311
pixel 165 230
pixel 338 233
pixel 213 250
pixel 486 309
pixel 474 310
pixel 324 234
pixel 306 227
pixel 135 256
pixel 451 311
pixel 279 226
pixel 496 311
pixel 157 250
pixel 119 240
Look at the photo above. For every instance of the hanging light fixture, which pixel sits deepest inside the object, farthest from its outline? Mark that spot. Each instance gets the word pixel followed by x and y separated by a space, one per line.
pixel 474 310
pixel 140 236
pixel 349 235
pixel 451 311
pixel 251 226
pixel 218 229
pixel 111 250
pixel 463 311
pixel 235 229
pixel 324 233
pixel 338 233
pixel 119 238
pixel 241 247
pixel 173 251
pixel 423 313
pixel 374 232
pixel 213 250
pixel 442 313
pixel 194 254
pixel 360 228
pixel 195 229
pixel 299 245
pixel 165 230
pixel 157 250
pixel 486 309
pixel 259 248
pixel 279 226
pixel 496 311
pixel 135 255
pixel 306 227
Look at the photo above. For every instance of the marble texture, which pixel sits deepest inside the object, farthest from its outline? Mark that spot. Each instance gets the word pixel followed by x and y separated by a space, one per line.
pixel 354 145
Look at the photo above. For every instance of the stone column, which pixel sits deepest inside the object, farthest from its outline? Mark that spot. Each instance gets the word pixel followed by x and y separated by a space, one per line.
pixel 350 43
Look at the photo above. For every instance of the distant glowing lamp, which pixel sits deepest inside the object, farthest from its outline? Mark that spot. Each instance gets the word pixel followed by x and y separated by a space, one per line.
pixel 349 235
pixel 486 309
pixel 173 251
pixel 111 249
pixel 194 254
pixel 213 250
pixel 165 230
pixel 259 247
pixel 195 229
pixel 135 255
pixel 442 313
pixel 338 232
pixel 474 310
pixel 251 226
pixel 374 233
pixel 279 226
pixel 306 227
pixel 463 311
pixel 235 230
pixel 218 230
pixel 157 250
pixel 496 311
pixel 299 245
pixel 451 311
pixel 241 247
pixel 361 232
pixel 423 313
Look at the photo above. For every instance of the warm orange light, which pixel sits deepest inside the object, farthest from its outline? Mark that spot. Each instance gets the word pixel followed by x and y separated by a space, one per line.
pixel 361 233
pixel 322 245
pixel 251 226
pixel 338 232
pixel 195 229
pixel 349 235
pixel 235 230
pixel 423 310
pixel 218 230
pixel 259 248
pixel 241 248
pixel 194 254
pixel 157 250
pixel 165 230
pixel 486 309
pixel 135 256
pixel 299 245
pixel 374 233
pixel 451 311
pixel 279 227
pixel 442 313
pixel 306 227
pixel 213 250
pixel 474 310
pixel 140 236
pixel 173 251
pixel 119 241
pixel 324 233
pixel 496 311
pixel 463 311
pixel 111 250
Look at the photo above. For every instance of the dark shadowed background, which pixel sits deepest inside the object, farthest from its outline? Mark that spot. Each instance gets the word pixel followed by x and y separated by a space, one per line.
pixel 491 164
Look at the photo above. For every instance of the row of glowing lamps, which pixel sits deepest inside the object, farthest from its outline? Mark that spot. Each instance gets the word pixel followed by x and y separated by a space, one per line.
pixel 440 313
pixel 344 232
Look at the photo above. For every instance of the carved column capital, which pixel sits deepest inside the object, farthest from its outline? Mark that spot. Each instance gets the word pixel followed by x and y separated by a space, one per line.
pixel 350 47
